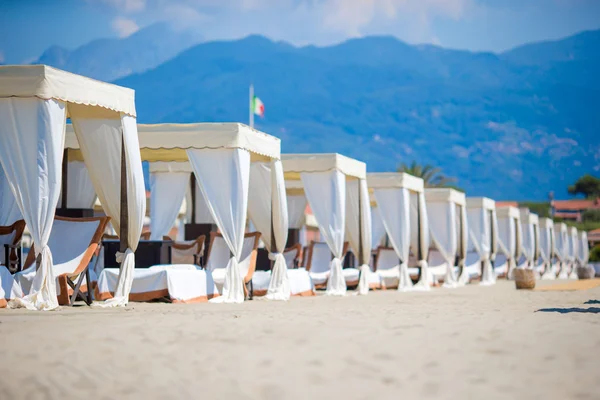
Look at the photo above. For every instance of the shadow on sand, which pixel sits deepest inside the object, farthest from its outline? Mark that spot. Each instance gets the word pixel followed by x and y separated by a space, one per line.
pixel 591 310
pixel 592 302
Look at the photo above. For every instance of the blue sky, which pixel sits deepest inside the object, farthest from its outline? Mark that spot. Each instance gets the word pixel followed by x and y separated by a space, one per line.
pixel 28 27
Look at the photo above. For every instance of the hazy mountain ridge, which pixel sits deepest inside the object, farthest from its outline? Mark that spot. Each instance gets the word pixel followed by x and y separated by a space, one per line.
pixel 513 125
pixel 109 59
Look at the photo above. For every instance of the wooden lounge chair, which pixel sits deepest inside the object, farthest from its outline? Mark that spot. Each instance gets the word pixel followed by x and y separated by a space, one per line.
pixel 317 264
pixel 187 251
pixel 73 242
pixel 219 255
pixel 10 237
pixel 292 254
pixel 262 279
pixel 387 266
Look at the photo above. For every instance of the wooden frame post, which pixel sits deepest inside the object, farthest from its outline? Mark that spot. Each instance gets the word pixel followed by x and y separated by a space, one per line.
pixel 360 238
pixel 273 248
pixel 193 192
pixel 124 217
pixel 65 179
pixel 419 250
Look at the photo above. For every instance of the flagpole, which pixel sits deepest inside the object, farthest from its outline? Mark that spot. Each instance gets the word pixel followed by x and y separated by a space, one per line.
pixel 251 103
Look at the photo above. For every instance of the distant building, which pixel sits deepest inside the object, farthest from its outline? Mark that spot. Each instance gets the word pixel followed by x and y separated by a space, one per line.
pixel 572 209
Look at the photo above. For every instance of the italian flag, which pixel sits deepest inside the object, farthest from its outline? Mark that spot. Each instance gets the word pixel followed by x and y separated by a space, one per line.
pixel 258 107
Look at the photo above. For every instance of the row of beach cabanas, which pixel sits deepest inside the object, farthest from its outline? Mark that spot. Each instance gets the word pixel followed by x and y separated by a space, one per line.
pixel 245 197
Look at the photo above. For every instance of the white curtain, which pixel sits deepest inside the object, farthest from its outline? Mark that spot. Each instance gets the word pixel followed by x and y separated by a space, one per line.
pixel 167 190
pixel 510 241
pixel 377 227
pixel 80 189
pixel 574 252
pixel 32 135
pixel 463 243
pixel 480 231
pixel 547 251
pixel 584 250
pixel 9 209
pixel 394 207
pixel 561 249
pixel 360 239
pixel 420 238
pixel 224 178
pixel 202 211
pixel 268 192
pixel 101 141
pixel 326 194
pixel 529 245
pixel 296 205
pixel 444 236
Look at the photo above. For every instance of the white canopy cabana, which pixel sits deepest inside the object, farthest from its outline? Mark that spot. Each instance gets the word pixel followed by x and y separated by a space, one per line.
pixel 35 102
pixel 573 252
pixel 509 240
pixel 530 226
pixel 561 249
pixel 583 250
pixel 483 238
pixel 547 248
pixel 447 216
pixel 336 189
pixel 401 202
pixel 227 160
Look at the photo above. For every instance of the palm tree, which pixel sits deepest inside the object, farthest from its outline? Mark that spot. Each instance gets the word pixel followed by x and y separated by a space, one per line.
pixel 432 176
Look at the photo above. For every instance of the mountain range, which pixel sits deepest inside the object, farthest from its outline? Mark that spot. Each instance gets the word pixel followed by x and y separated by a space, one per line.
pixel 514 125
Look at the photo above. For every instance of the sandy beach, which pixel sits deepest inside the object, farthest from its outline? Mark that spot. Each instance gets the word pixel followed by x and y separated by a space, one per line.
pixel 471 343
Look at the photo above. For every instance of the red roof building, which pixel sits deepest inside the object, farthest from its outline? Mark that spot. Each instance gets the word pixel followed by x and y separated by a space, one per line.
pixel 573 209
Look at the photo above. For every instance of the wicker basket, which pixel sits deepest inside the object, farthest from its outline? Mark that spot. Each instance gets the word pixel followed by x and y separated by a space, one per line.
pixel 586 272
pixel 524 278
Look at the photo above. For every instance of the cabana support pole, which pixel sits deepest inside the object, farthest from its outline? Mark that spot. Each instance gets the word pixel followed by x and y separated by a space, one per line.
pixel 65 179
pixel 193 192
pixel 124 223
pixel 360 238
pixel 419 251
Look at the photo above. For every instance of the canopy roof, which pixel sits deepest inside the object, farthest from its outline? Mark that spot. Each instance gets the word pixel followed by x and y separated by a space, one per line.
pixel 481 202
pixel 546 223
pixel 379 180
pixel 445 195
pixel 508 212
pixel 47 83
pixel 169 142
pixel 294 164
pixel 527 217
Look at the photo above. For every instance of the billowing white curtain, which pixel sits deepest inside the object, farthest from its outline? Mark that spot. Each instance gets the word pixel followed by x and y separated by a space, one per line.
pixel 296 205
pixel 583 249
pixel 359 235
pixel 101 141
pixel 326 194
pixel 420 238
pixel 547 251
pixel 377 227
pixel 463 243
pixel 203 215
pixel 573 252
pixel 444 236
pixel 32 135
pixel 528 242
pixel 394 207
pixel 224 178
pixel 480 231
pixel 9 209
pixel 561 249
pixel 167 190
pixel 80 193
pixel 268 192
pixel 509 241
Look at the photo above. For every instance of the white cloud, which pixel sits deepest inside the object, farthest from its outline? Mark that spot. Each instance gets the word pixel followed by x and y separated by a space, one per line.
pixel 127 6
pixel 124 26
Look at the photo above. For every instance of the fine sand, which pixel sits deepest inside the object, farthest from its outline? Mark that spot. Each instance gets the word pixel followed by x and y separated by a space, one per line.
pixel 469 343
